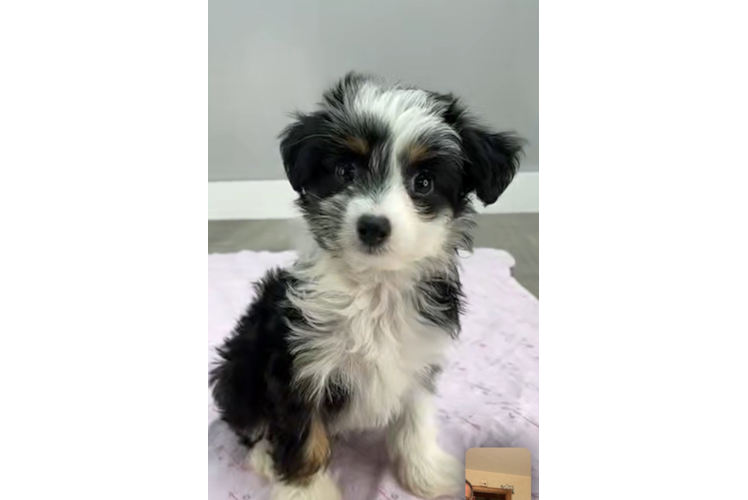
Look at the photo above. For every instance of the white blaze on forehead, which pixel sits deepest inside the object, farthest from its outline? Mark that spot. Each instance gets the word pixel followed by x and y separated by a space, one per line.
pixel 409 113
pixel 391 201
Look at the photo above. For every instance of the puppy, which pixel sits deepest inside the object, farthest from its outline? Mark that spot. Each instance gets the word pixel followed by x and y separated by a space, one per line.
pixel 352 336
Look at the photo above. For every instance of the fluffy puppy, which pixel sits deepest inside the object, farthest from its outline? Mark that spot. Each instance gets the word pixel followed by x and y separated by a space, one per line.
pixel 352 336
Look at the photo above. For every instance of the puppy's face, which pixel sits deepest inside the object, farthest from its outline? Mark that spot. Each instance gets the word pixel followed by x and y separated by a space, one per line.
pixel 384 173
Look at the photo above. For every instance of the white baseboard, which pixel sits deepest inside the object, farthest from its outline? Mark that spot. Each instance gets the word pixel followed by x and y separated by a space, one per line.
pixel 274 199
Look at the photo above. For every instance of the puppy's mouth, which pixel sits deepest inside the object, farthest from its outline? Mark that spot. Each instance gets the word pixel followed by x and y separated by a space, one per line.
pixel 373 250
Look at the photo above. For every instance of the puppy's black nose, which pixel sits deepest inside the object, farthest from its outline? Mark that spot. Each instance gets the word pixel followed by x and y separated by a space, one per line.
pixel 373 229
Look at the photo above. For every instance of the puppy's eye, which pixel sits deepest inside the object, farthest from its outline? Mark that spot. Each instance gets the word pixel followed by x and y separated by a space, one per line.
pixel 346 172
pixel 423 183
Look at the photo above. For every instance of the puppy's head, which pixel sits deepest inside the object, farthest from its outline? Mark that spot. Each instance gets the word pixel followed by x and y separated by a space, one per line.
pixel 385 173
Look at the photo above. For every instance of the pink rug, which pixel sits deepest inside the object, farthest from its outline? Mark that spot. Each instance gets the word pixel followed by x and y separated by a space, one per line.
pixel 487 395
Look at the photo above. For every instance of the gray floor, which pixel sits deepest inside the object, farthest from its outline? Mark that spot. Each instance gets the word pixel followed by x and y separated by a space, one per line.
pixel 515 233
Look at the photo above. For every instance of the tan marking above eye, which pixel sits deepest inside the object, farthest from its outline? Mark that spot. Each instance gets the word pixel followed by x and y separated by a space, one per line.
pixel 417 152
pixel 357 145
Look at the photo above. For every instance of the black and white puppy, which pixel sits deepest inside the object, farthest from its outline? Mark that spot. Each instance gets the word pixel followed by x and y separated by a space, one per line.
pixel 352 336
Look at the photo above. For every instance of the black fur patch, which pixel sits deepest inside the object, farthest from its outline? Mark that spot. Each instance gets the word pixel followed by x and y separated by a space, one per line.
pixel 429 379
pixel 442 303
pixel 252 382
pixel 336 397
pixel 447 175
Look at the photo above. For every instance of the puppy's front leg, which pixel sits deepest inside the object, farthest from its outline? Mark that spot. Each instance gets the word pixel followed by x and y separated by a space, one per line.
pixel 420 464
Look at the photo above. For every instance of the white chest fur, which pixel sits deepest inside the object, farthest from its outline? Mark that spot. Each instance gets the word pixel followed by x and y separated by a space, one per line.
pixel 367 337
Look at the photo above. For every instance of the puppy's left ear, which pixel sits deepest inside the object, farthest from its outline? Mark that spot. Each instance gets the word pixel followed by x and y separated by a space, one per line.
pixel 492 159
pixel 300 148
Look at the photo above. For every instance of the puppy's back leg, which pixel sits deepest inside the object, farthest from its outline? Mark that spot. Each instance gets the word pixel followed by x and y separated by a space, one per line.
pixel 295 461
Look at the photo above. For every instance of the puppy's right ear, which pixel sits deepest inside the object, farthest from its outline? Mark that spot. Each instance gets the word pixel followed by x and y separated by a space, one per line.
pixel 492 159
pixel 300 147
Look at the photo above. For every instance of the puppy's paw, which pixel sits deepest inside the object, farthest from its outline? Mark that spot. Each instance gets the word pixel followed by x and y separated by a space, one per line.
pixel 431 474
pixel 260 460
pixel 319 487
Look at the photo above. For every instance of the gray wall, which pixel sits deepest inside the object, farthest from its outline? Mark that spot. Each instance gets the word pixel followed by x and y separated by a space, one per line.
pixel 270 57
